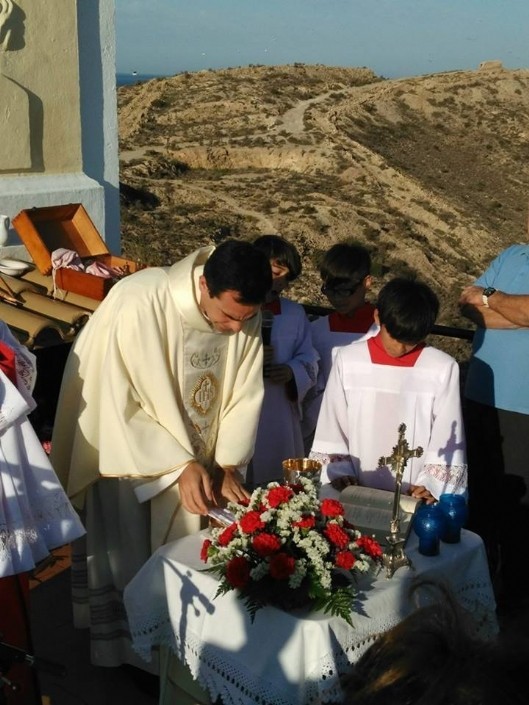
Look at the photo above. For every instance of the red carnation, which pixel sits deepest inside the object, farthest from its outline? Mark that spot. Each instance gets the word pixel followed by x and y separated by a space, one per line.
pixel 282 566
pixel 345 559
pixel 370 546
pixel 265 544
pixel 336 535
pixel 279 495
pixel 244 502
pixel 204 550
pixel 226 536
pixel 332 508
pixel 238 572
pixel 251 522
pixel 307 522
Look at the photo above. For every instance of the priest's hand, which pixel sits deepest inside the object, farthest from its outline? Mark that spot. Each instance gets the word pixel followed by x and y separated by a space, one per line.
pixel 230 486
pixel 196 489
pixel 420 492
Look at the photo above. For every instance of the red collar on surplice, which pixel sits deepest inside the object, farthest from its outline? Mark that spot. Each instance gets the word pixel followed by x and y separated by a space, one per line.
pixel 360 322
pixel 380 357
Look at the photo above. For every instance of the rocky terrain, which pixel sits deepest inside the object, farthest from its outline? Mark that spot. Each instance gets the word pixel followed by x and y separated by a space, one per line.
pixel 431 173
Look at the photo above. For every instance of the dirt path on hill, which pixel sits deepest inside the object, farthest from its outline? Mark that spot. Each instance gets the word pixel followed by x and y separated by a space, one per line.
pixel 263 223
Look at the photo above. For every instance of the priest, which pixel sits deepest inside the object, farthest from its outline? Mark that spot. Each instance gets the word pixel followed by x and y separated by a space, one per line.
pixel 157 418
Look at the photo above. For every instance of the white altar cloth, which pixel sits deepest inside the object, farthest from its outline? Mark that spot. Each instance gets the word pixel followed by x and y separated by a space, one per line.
pixel 284 658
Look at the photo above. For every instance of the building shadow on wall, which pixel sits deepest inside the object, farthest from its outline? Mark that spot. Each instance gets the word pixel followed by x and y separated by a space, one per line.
pixel 22 124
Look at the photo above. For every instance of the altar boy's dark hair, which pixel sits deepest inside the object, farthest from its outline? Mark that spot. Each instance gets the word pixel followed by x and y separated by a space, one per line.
pixel 345 263
pixel 283 251
pixel 238 266
pixel 408 309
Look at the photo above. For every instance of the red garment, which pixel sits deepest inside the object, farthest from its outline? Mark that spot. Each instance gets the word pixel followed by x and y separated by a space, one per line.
pixel 360 322
pixel 274 306
pixel 15 631
pixel 379 355
pixel 8 362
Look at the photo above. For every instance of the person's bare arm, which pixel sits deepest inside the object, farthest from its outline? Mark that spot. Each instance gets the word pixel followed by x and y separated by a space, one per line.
pixel 505 311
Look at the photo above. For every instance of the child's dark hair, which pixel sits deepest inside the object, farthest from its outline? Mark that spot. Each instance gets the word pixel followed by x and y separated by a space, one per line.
pixel 345 264
pixel 284 252
pixel 408 309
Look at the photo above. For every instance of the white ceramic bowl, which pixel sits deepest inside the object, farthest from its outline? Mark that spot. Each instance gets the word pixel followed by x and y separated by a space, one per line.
pixel 14 267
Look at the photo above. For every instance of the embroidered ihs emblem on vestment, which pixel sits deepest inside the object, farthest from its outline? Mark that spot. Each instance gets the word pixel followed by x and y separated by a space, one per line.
pixel 204 393
pixel 203 360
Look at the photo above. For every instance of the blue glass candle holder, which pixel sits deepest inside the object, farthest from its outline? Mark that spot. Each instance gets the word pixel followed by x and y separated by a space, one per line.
pixel 454 507
pixel 429 524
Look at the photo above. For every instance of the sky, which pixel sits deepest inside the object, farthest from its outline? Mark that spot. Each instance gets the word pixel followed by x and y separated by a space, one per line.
pixel 394 38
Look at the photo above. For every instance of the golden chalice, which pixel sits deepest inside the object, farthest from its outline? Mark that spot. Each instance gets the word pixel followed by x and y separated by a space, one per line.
pixel 295 468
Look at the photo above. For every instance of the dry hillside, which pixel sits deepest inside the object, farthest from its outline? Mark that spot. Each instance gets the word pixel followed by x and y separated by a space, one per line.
pixel 430 172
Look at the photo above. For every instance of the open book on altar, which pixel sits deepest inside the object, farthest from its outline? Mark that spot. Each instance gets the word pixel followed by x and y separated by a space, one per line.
pixel 371 511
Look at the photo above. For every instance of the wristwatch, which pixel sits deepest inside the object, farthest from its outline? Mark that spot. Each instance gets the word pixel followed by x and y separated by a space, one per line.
pixel 486 293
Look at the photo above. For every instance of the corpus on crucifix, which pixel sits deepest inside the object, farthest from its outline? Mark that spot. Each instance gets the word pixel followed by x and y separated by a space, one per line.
pixel 394 556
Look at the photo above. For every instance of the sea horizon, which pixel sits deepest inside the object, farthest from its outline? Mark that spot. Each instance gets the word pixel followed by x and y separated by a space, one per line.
pixel 128 79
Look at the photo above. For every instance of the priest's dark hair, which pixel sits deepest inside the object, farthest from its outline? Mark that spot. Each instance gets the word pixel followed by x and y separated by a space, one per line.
pixel 408 309
pixel 345 263
pixel 236 265
pixel 284 252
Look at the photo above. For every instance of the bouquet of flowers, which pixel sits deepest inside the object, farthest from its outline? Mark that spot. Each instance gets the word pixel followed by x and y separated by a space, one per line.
pixel 287 548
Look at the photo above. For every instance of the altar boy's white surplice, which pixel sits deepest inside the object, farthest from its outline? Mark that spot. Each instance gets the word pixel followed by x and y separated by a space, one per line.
pixel 365 403
pixel 279 434
pixel 35 513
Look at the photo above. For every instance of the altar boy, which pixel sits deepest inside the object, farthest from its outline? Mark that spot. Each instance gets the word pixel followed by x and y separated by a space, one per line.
pixel 389 379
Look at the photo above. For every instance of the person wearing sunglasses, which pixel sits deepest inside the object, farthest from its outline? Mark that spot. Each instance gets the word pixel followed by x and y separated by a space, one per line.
pixel 345 272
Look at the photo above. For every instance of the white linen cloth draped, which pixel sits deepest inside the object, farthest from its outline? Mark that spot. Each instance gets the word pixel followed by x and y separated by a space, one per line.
pixel 284 658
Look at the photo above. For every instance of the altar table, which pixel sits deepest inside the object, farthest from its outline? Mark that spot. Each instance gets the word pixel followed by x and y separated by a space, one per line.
pixel 284 658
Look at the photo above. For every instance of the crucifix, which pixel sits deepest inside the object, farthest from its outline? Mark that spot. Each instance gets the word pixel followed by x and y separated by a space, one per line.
pixel 394 556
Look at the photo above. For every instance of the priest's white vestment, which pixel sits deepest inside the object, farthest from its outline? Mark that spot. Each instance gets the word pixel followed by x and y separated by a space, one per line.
pixel 149 386
pixel 363 406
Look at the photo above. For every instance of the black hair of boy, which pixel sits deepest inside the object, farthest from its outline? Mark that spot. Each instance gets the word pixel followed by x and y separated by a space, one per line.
pixel 408 309
pixel 238 266
pixel 277 248
pixel 345 264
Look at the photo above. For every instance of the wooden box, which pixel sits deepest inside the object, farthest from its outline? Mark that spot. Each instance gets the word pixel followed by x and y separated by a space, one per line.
pixel 43 230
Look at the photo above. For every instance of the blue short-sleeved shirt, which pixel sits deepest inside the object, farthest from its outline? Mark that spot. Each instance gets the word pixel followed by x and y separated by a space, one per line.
pixel 498 374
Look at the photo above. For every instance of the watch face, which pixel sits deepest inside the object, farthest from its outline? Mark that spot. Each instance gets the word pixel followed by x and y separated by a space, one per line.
pixel 489 291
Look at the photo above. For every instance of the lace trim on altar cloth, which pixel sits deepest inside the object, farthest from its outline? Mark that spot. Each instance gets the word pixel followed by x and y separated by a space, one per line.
pixel 454 475
pixel 224 678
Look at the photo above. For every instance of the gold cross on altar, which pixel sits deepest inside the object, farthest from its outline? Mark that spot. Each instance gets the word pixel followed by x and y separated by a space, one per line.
pixel 394 556
pixel 400 455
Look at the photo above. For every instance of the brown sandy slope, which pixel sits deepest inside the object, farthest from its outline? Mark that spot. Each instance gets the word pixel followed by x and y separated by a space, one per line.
pixel 430 172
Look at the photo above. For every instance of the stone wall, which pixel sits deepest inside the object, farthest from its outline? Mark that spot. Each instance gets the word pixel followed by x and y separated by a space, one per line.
pixel 58 115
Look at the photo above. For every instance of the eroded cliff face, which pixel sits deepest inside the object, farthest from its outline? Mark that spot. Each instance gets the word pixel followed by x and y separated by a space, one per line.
pixel 431 172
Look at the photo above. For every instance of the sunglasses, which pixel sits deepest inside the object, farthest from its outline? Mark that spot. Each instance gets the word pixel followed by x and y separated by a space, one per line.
pixel 340 292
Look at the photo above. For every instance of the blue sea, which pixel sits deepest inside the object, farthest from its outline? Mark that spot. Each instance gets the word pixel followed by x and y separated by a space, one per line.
pixel 128 79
